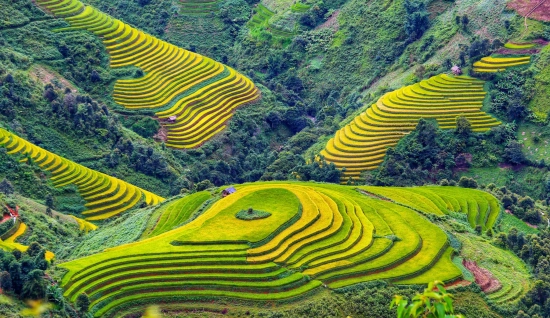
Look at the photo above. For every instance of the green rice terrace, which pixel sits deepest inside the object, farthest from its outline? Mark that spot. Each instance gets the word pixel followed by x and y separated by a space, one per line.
pixel 198 7
pixel 106 196
pixel 317 235
pixel 362 144
pixel 193 96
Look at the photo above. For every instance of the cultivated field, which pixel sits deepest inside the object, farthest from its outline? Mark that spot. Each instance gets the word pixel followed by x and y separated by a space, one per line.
pixel 500 64
pixel 193 96
pixel 106 196
pixel 362 144
pixel 317 234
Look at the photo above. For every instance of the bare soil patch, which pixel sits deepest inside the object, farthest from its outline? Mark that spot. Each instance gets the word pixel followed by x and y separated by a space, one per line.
pixel 42 74
pixel 484 278
pixel 332 22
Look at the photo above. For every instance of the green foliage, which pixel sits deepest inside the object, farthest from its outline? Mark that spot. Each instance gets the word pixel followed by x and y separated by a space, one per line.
pixel 508 98
pixel 82 303
pixel 417 21
pixel 146 127
pixel 434 302
pixel 430 154
pixel 251 214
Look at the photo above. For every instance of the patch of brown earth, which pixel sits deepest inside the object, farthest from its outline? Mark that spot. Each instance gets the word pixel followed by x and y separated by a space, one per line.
pixel 536 9
pixel 332 22
pixel 162 134
pixel 457 283
pixel 484 278
pixel 42 74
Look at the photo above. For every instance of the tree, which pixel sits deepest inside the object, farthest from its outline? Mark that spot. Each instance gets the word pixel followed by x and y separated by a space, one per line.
pixel 463 126
pixel 94 77
pixel 34 286
pixel 14 269
pixel 434 302
pixel 6 187
pixel 417 19
pixel 5 281
pixel 49 201
pixel 466 182
pixel 465 21
pixel 82 303
pixel 513 153
pixel 34 249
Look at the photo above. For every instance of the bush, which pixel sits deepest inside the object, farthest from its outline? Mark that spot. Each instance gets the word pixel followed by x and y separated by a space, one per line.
pixel 146 127
pixel 466 182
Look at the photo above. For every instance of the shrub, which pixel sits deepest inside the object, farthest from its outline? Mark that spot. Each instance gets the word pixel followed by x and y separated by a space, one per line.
pixel 466 182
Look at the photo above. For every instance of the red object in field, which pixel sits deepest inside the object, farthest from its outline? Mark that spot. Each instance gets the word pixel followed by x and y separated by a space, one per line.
pixel 13 213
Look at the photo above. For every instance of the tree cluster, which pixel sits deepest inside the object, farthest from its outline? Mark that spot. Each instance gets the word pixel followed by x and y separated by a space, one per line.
pixel 534 249
pixel 22 274
pixel 430 155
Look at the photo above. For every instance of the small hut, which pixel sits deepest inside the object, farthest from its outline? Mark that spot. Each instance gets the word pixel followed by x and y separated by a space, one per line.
pixel 228 191
pixel 456 70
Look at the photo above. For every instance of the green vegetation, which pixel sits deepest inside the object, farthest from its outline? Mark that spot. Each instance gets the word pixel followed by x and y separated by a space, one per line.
pixel 174 213
pixel 174 82
pixel 106 196
pixel 362 144
pixel 434 302
pixel 208 253
pixel 251 214
pixel 481 208
pixel 99 94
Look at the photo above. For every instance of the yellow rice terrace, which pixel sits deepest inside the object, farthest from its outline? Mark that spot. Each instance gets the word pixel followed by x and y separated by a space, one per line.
pixel 318 236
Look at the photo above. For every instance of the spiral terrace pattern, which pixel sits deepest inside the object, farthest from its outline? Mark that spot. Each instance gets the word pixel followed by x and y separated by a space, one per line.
pixel 317 233
pixel 362 144
pixel 199 92
pixel 105 195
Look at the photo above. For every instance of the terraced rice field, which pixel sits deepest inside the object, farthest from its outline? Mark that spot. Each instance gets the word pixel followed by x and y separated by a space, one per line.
pixel 198 7
pixel 193 96
pixel 482 208
pixel 507 268
pixel 300 7
pixel 499 64
pixel 173 213
pixel 261 17
pixel 519 46
pixel 362 144
pixel 106 196
pixel 9 244
pixel 317 234
pixel 84 225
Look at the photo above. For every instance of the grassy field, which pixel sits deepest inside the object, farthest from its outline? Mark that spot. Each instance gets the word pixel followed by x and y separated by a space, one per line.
pixel 327 234
pixel 509 221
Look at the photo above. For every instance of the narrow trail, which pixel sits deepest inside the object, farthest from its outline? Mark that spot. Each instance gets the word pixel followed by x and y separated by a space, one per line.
pixel 531 12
